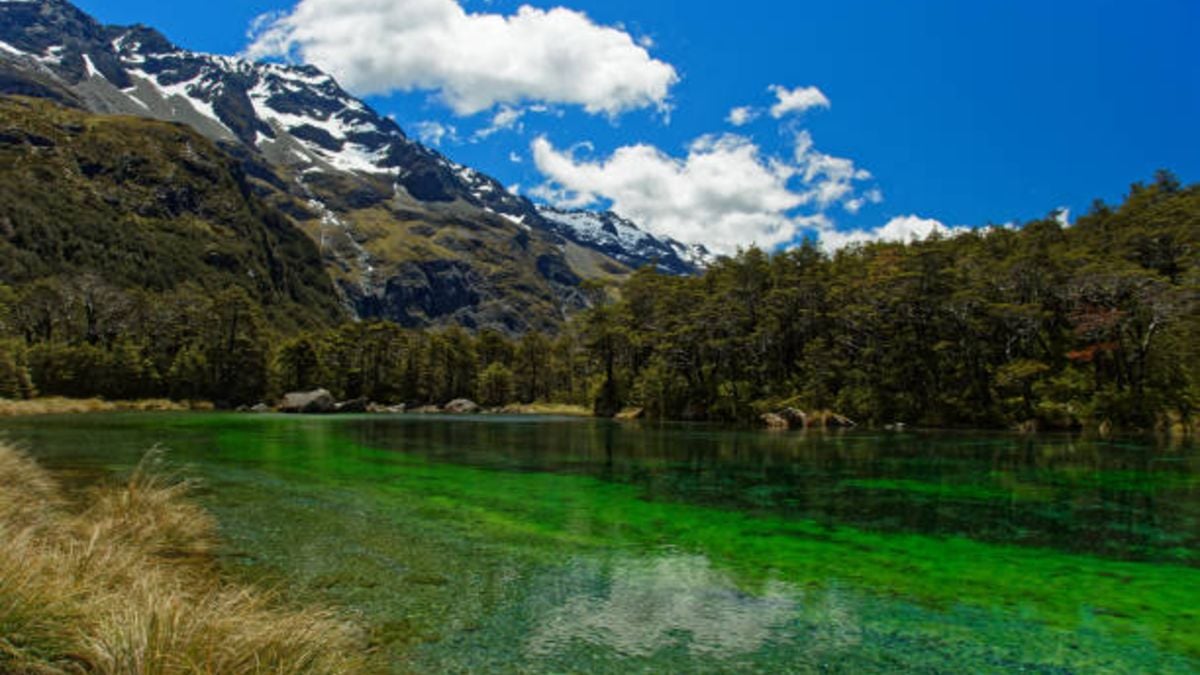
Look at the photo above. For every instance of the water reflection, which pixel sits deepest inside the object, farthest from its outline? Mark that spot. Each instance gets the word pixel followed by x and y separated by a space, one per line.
pixel 1130 500
pixel 646 605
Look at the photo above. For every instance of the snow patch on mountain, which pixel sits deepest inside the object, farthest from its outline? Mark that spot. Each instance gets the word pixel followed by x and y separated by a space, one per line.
pixel 623 240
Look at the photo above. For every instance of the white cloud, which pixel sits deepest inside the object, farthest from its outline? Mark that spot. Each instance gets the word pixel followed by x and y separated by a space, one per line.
pixel 432 132
pixel 742 116
pixel 505 118
pixel 1063 216
pixel 515 158
pixel 901 230
pixel 725 193
pixel 831 179
pixel 872 196
pixel 796 101
pixel 474 60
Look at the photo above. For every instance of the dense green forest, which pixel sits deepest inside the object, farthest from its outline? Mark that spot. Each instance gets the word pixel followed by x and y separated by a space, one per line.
pixel 1046 325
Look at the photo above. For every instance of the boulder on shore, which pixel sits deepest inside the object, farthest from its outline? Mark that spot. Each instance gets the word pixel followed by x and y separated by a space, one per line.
pixel 426 410
pixel 631 414
pixel 836 421
pixel 774 421
pixel 386 409
pixel 316 402
pixel 796 418
pixel 260 409
pixel 354 407
pixel 463 406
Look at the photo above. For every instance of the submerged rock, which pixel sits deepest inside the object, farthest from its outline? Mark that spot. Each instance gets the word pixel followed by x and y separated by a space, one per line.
pixel 315 402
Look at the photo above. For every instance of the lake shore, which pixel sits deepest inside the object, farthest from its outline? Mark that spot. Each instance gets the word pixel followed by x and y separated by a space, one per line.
pixel 1173 427
pixel 70 406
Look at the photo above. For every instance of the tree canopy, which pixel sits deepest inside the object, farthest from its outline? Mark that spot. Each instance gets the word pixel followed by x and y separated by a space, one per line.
pixel 1044 324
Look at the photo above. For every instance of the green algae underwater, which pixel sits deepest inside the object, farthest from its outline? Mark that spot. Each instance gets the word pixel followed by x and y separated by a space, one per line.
pixel 505 544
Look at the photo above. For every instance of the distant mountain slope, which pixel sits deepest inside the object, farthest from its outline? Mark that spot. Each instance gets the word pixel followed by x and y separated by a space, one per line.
pixel 406 233
pixel 622 240
pixel 146 204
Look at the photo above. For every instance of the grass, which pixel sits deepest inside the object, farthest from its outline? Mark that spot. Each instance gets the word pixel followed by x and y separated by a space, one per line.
pixel 128 584
pixel 69 406
pixel 559 409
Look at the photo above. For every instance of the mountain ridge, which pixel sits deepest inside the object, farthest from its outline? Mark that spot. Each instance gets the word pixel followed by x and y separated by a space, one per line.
pixel 387 212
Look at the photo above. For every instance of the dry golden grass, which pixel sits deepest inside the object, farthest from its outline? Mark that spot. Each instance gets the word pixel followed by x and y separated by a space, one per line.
pixel 129 585
pixel 560 409
pixel 66 406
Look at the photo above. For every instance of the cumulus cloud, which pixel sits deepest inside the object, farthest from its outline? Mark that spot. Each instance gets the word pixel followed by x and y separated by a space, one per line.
pixel 903 229
pixel 725 193
pixel 831 178
pixel 796 101
pixel 475 61
pixel 506 118
pixel 740 117
pixel 873 196
pixel 432 132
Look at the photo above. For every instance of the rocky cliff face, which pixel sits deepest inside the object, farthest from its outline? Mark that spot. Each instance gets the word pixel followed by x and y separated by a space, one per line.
pixel 406 233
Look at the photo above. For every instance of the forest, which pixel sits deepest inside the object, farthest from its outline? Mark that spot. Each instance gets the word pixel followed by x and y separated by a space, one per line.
pixel 1040 326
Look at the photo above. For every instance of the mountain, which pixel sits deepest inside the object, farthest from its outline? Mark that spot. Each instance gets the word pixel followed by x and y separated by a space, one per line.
pixel 622 240
pixel 405 233
pixel 146 204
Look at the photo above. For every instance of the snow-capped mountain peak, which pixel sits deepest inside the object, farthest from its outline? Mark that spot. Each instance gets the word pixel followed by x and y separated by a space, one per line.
pixel 622 240
pixel 293 116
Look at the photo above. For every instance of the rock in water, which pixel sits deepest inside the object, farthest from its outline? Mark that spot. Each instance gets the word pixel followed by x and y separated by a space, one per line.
pixel 462 406
pixel 308 403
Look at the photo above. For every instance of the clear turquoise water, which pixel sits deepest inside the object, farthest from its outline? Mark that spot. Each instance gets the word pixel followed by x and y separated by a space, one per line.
pixel 555 545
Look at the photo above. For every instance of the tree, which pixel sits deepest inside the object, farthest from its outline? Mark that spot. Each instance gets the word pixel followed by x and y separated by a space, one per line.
pixel 15 380
pixel 496 385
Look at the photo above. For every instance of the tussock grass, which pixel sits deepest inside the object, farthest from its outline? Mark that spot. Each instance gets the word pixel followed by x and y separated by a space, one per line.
pixel 67 406
pixel 128 584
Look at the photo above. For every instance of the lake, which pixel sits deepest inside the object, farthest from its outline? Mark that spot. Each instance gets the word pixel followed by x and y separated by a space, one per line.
pixel 500 544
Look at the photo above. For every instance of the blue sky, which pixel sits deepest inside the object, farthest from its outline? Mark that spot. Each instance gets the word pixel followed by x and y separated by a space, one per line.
pixel 963 112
